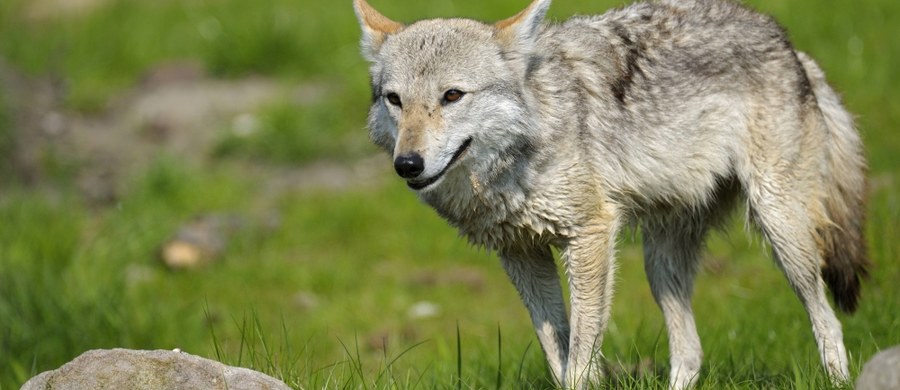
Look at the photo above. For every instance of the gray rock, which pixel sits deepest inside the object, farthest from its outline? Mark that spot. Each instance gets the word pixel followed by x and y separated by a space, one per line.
pixel 882 372
pixel 200 241
pixel 149 370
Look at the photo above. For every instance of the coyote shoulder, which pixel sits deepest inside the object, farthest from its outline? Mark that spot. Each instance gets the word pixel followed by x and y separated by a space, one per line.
pixel 527 135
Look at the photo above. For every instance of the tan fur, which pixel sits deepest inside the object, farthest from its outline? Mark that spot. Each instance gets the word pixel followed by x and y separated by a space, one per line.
pixel 378 26
pixel 415 127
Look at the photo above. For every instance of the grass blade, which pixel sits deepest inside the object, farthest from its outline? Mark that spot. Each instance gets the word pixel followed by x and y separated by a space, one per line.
pixel 212 331
pixel 499 359
pixel 458 359
pixel 522 362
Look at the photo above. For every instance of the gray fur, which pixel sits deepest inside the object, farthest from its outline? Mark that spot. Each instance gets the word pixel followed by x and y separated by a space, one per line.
pixel 658 114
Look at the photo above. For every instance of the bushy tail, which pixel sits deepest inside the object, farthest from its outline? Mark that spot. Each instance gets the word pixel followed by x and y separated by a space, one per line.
pixel 843 239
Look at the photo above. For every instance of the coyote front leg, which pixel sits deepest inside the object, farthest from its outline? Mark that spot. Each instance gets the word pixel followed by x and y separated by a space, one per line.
pixel 590 265
pixel 533 272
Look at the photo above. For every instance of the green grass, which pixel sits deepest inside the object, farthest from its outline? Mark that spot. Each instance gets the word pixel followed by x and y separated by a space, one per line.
pixel 74 277
pixel 289 133
pixel 75 281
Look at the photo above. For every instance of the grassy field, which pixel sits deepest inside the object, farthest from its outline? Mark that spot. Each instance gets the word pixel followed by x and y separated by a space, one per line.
pixel 364 287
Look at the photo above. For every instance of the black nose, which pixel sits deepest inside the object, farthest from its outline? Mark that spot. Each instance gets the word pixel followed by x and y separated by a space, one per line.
pixel 409 166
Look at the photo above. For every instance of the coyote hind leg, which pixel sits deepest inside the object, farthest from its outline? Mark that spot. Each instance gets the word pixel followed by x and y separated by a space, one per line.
pixel 672 246
pixel 786 220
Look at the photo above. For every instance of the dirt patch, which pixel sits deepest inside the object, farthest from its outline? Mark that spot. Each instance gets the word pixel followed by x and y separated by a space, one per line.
pixel 179 117
pixel 176 110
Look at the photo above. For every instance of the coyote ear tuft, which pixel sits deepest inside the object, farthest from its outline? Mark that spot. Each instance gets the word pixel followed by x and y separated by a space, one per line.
pixel 520 31
pixel 375 28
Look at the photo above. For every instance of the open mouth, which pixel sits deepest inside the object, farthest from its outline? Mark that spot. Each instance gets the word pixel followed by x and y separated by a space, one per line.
pixel 420 184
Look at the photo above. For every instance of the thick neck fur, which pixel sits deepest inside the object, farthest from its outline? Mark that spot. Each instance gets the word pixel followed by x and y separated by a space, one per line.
pixel 528 192
pixel 507 208
pixel 521 196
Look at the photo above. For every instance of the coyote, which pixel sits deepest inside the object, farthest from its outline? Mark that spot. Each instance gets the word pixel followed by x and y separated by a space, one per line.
pixel 662 115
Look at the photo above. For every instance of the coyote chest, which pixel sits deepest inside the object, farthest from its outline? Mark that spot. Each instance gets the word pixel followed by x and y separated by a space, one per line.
pixel 496 219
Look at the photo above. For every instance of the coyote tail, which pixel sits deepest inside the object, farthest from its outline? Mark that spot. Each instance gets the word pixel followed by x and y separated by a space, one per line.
pixel 842 238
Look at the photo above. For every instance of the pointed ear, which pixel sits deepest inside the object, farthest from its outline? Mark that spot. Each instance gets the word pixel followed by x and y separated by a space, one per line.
pixel 375 28
pixel 520 32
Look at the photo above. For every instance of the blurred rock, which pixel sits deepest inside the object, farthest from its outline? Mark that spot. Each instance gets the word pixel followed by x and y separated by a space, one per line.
pixel 424 309
pixel 149 370
pixel 882 372
pixel 200 241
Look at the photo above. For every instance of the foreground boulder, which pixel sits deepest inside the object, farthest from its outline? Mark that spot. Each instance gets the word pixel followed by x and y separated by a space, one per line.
pixel 882 372
pixel 149 370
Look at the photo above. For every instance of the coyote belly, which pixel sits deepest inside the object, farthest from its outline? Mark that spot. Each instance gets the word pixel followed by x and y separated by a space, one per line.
pixel 528 135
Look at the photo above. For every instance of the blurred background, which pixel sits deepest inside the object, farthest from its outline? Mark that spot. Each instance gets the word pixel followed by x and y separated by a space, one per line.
pixel 196 174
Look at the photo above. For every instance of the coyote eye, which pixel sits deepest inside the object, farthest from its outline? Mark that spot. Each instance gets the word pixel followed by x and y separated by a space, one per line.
pixel 394 99
pixel 453 95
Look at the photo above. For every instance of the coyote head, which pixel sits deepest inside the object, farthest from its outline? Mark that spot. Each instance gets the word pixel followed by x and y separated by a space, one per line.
pixel 448 93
